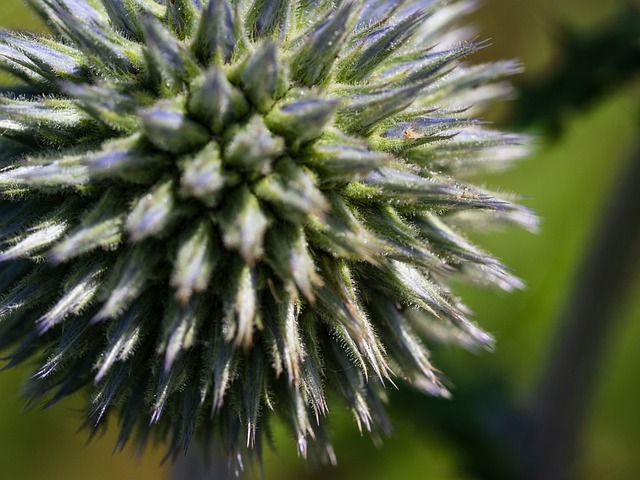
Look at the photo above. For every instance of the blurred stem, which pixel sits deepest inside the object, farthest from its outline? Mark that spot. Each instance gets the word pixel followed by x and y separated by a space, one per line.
pixel 591 313
pixel 200 463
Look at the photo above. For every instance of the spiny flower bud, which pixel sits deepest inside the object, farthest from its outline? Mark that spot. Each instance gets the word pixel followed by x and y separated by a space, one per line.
pixel 216 211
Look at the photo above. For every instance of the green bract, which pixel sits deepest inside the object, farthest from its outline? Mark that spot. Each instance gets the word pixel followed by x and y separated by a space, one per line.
pixel 216 211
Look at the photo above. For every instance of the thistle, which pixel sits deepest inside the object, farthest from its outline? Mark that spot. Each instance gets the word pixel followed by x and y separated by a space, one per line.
pixel 213 212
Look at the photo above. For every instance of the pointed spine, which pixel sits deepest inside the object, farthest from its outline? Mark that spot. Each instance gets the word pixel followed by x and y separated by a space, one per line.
pixel 215 37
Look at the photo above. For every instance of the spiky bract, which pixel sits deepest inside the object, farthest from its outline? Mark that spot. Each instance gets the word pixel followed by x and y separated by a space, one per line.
pixel 212 211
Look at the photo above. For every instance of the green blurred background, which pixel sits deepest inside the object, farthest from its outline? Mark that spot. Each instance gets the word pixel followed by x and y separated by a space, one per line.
pixel 567 181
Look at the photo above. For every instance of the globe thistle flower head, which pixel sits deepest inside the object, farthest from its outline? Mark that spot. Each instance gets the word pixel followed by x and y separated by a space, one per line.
pixel 213 212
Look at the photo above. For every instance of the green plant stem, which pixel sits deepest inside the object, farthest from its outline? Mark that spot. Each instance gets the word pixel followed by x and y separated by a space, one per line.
pixel 591 315
pixel 200 463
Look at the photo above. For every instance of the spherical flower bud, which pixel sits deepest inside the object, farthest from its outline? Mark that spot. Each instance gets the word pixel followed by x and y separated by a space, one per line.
pixel 213 212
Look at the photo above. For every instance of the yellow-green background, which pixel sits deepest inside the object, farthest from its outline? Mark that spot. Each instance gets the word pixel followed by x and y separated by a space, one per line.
pixel 566 181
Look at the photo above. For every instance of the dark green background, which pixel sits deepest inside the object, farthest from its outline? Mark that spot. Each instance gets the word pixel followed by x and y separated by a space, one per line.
pixel 567 181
